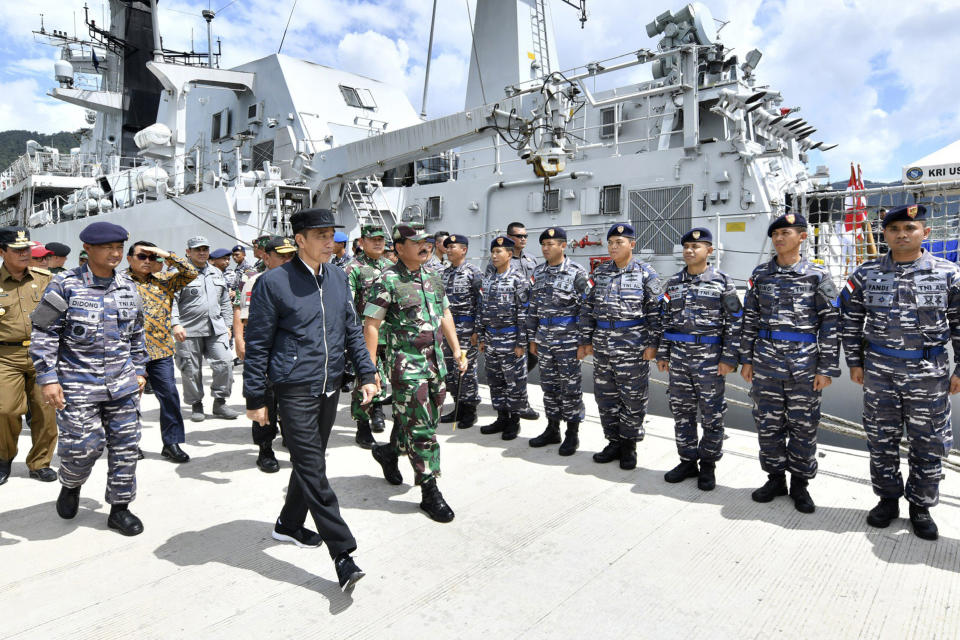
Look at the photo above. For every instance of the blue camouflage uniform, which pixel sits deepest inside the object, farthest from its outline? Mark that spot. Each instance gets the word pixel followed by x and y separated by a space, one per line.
pixel 502 326
pixel 701 328
pixel 553 324
pixel 463 286
pixel 88 337
pixel 897 320
pixel 620 317
pixel 789 335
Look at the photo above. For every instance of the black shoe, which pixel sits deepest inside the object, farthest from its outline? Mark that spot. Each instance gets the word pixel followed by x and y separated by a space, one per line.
pixel 686 469
pixel 346 385
pixel 348 573
pixel 571 439
pixel 174 453
pixel 267 460
pixel 707 480
pixel 609 453
pixel 512 429
pixel 388 459
pixel 447 418
pixel 301 537
pixel 45 474
pixel 196 412
pixel 550 436
pixel 364 437
pixel 140 455
pixel 68 503
pixel 503 418
pixel 125 522
pixel 4 470
pixel 775 486
pixel 628 454
pixel 377 423
pixel 433 503
pixel 886 511
pixel 529 414
pixel 802 501
pixel 923 524
pixel 221 410
pixel 467 417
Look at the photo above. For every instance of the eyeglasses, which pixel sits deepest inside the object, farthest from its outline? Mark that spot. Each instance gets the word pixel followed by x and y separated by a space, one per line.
pixel 517 235
pixel 147 256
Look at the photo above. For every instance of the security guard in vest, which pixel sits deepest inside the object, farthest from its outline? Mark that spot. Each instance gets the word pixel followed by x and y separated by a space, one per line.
pixel 21 287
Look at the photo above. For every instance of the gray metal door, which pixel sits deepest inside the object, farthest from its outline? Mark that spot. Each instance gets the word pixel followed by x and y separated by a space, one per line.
pixel 660 216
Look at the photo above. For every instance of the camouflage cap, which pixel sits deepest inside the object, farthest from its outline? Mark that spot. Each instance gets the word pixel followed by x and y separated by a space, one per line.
pixel 372 231
pixel 403 232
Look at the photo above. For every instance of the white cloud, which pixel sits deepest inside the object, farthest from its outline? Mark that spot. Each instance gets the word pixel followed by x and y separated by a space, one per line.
pixel 25 107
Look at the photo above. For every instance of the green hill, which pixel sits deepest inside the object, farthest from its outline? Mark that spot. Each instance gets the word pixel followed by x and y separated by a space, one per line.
pixel 13 143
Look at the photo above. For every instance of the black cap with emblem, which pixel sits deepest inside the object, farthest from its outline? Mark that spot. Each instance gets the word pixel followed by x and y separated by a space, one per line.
pixel 699 234
pixel 15 238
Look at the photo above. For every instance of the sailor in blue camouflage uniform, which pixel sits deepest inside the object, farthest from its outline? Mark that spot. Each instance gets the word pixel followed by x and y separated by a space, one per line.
pixel 462 282
pixel 559 286
pixel 503 338
pixel 88 349
pixel 620 325
pixel 790 351
pixel 701 335
pixel 899 313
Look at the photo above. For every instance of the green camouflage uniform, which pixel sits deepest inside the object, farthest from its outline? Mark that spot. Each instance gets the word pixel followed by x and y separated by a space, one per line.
pixel 362 272
pixel 411 306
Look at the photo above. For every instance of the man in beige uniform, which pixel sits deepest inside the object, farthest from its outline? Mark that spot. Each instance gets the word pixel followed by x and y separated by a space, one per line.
pixel 21 287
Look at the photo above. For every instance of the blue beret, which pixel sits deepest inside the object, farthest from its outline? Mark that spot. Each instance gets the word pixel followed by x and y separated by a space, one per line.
pixel 219 253
pixel 340 236
pixel 103 233
pixel 239 247
pixel 906 212
pixel 785 221
pixel 699 234
pixel 622 229
pixel 553 233
pixel 456 239
pixel 503 242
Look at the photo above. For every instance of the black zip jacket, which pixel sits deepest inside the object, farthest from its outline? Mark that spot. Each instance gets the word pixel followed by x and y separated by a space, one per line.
pixel 298 332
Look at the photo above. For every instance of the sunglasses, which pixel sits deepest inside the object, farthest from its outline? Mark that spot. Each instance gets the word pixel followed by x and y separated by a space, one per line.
pixel 147 256
pixel 518 235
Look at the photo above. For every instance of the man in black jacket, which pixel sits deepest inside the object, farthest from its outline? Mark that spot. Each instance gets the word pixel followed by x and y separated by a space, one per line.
pixel 301 326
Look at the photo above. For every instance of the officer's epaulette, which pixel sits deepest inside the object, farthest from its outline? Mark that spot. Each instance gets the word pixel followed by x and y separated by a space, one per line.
pixel 42 271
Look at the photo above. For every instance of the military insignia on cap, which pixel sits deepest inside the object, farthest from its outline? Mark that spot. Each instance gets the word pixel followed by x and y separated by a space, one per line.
pixel 791 218
pixel 453 239
pixel 696 235
pixel 22 235
pixel 912 211
pixel 500 241
pixel 620 229
pixel 551 232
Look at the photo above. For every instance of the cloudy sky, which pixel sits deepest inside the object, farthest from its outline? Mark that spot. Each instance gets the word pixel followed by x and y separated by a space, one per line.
pixel 876 76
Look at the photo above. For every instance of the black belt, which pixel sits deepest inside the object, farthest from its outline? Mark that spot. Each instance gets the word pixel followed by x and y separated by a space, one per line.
pixel 25 343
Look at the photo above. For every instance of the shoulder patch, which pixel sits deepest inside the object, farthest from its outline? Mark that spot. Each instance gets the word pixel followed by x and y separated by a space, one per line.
pixel 41 271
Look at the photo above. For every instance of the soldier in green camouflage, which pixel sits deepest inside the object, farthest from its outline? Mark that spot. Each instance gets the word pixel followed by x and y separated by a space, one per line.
pixel 362 272
pixel 409 301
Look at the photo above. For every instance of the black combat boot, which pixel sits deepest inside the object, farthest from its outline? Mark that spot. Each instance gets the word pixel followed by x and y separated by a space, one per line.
pixel 686 469
pixel 707 480
pixel 467 417
pixel 433 503
pixel 801 497
pixel 529 413
pixel 886 511
pixel 69 502
pixel 267 460
pixel 775 486
pixel 513 427
pixel 364 436
pixel 923 524
pixel 447 418
pixel 123 521
pixel 550 436
pixel 628 454
pixel 503 418
pixel 377 422
pixel 609 453
pixel 388 459
pixel 571 439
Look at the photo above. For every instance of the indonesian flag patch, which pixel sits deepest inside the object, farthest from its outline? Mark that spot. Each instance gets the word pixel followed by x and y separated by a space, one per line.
pixel 849 286
pixel 750 283
pixel 666 296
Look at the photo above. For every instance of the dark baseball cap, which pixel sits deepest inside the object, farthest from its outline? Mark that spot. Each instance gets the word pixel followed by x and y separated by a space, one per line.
pixel 313 219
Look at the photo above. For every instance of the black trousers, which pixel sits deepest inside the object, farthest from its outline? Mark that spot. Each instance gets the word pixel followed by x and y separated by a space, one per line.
pixel 265 433
pixel 307 421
